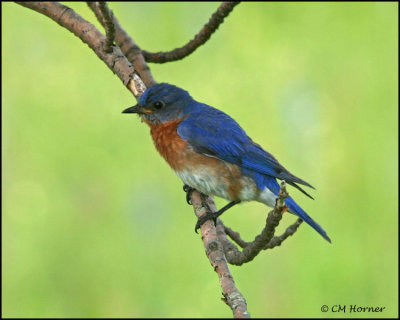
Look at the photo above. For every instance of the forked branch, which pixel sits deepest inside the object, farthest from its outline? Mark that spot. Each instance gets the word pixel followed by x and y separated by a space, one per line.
pixel 120 58
pixel 265 240
pixel 274 242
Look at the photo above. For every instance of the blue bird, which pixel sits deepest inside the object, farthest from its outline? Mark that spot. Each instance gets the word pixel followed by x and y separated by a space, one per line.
pixel 210 152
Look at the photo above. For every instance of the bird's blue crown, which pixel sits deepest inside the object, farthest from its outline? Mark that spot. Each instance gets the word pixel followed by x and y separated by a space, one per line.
pixel 166 92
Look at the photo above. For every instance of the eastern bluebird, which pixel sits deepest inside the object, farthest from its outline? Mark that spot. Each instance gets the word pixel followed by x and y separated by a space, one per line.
pixel 210 152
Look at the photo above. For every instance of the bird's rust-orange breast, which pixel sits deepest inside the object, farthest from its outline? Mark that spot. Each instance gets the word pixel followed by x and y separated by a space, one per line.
pixel 169 144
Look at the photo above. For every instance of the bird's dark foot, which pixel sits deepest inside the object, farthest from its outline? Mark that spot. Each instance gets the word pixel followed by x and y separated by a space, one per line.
pixel 214 215
pixel 205 217
pixel 188 191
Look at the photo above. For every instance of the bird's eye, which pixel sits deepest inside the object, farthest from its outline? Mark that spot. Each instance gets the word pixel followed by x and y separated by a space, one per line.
pixel 158 104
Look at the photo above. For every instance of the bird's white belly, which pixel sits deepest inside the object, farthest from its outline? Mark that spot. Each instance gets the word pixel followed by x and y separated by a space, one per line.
pixel 208 183
pixel 205 182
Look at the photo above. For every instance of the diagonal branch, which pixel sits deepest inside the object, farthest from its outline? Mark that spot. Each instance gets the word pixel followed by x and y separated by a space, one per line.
pixel 205 33
pixel 88 33
pixel 214 251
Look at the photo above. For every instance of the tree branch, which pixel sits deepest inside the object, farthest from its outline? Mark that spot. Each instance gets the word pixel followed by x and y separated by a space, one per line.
pixel 130 49
pixel 205 33
pixel 214 251
pixel 115 60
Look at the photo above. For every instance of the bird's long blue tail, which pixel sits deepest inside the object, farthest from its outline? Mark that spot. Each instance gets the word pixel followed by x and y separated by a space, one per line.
pixel 273 185
pixel 297 210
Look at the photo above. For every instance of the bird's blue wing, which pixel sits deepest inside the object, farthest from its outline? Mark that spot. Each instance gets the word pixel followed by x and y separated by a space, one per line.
pixel 212 132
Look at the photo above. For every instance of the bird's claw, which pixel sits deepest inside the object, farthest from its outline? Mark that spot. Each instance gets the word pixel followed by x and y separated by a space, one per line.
pixel 205 217
pixel 188 191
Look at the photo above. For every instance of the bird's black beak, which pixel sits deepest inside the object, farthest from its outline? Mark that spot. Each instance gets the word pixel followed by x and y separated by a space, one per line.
pixel 134 109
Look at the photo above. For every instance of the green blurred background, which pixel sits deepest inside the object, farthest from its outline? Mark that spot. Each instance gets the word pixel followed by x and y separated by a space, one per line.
pixel 95 223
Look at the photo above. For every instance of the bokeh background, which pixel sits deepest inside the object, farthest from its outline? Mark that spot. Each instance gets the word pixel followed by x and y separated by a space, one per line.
pixel 95 223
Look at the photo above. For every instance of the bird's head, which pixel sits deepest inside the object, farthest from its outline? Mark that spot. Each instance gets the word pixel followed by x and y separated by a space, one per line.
pixel 162 103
